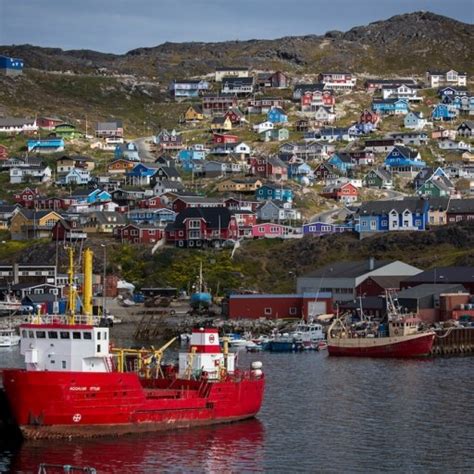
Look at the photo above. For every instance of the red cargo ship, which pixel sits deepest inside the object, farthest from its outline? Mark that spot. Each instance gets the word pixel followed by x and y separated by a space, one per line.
pixel 75 385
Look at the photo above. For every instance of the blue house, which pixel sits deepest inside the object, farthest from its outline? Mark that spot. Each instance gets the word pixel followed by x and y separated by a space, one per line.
pixel 188 158
pixel 404 160
pixel 141 174
pixel 318 229
pixel 409 214
pixel 342 161
pixel 47 145
pixel 127 151
pixel 11 66
pixel 390 106
pixel 158 217
pixel 277 115
pixel 269 191
pixel 298 171
pixel 91 196
pixel 444 112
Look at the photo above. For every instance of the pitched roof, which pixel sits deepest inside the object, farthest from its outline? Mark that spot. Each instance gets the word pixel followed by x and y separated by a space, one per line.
pixel 110 125
pixel 414 205
pixel 346 269
pixel 461 206
pixel 31 214
pixel 405 151
pixel 429 289
pixel 216 217
pixel 444 275
pixel 388 281
pixel 438 203
pixel 15 122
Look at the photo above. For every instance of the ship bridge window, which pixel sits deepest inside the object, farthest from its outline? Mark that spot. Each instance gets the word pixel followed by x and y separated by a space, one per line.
pixel 87 335
pixel 98 335
pixel 23 333
pixel 76 335
pixel 105 335
pixel 52 335
pixel 31 334
pixel 65 335
pixel 41 334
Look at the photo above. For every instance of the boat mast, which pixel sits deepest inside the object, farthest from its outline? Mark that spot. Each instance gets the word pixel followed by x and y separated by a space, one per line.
pixel 72 294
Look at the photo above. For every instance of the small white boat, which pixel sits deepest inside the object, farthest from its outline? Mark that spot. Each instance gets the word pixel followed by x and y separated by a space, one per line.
pixel 308 333
pixel 236 340
pixel 9 338
pixel 9 304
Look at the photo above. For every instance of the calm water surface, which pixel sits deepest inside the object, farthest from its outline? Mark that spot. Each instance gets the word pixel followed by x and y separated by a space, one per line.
pixel 320 415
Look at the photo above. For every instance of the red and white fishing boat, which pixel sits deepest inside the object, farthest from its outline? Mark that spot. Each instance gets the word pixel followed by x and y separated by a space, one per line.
pixel 76 385
pixel 404 339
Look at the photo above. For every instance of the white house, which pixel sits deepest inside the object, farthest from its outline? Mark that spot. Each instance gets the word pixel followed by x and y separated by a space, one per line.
pixel 415 121
pixel 263 127
pixel 17 125
pixel 37 174
pixel 448 78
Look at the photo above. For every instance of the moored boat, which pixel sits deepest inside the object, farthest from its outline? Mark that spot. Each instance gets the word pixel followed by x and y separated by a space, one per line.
pixel 403 338
pixel 76 385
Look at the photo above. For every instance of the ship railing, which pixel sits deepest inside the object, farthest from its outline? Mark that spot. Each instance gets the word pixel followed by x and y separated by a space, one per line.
pixel 63 319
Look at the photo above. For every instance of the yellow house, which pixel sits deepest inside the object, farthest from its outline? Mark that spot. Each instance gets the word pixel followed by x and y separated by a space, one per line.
pixel 30 224
pixel 437 212
pixel 239 185
pixel 221 124
pixel 193 114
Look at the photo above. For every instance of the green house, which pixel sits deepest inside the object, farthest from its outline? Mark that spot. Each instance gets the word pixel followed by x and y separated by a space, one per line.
pixel 436 186
pixel 67 131
pixel 378 178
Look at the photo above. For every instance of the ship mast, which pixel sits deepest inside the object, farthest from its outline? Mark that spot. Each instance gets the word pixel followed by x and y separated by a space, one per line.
pixel 72 294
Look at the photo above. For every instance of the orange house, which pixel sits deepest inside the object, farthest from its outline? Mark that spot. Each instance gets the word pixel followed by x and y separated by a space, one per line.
pixel 120 166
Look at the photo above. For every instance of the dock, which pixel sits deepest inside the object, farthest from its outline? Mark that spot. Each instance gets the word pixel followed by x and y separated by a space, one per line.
pixel 453 341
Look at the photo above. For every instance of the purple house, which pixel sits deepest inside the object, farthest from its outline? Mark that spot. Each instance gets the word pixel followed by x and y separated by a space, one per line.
pixel 318 229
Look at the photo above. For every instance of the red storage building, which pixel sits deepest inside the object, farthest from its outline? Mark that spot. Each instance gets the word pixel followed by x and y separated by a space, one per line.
pixel 269 306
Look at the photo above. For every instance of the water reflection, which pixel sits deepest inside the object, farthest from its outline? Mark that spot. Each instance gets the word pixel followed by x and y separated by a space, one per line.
pixel 236 447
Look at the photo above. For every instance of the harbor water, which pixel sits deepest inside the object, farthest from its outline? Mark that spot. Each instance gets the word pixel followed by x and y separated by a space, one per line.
pixel 320 414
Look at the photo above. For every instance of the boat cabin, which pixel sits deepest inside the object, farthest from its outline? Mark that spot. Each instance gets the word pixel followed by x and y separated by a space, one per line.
pixel 65 348
pixel 205 356
pixel 404 327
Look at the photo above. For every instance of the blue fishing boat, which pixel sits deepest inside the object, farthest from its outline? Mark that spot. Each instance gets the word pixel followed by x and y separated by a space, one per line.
pixel 201 299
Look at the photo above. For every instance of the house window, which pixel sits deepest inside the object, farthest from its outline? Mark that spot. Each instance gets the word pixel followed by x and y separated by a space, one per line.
pixel 194 224
pixel 267 311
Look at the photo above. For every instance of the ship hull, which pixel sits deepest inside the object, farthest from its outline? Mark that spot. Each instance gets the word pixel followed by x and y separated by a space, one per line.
pixel 77 404
pixel 384 347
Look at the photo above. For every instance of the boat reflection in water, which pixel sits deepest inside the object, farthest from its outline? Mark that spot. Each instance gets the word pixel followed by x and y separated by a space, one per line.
pixel 234 447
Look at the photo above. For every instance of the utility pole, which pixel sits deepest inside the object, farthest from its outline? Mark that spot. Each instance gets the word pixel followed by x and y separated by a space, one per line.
pixel 103 283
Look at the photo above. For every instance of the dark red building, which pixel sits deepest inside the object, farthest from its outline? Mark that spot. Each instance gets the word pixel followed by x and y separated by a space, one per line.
pixel 378 285
pixel 27 197
pixel 224 138
pixel 139 234
pixel 217 104
pixel 202 227
pixel 154 202
pixel 68 230
pixel 460 210
pixel 270 306
pixel 3 152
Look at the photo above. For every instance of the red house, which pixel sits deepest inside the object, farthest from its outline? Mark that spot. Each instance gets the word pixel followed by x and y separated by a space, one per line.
pixel 217 104
pixel 235 115
pixel 312 99
pixel 153 202
pixel 202 227
pixel 27 197
pixel 65 230
pixel 139 234
pixel 271 168
pixel 48 123
pixel 3 152
pixel 224 138
pixel 368 116
pixel 278 306
pixel 245 220
pixel 346 192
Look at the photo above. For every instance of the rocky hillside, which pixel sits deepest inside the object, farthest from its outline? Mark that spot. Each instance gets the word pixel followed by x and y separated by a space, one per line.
pixel 408 43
